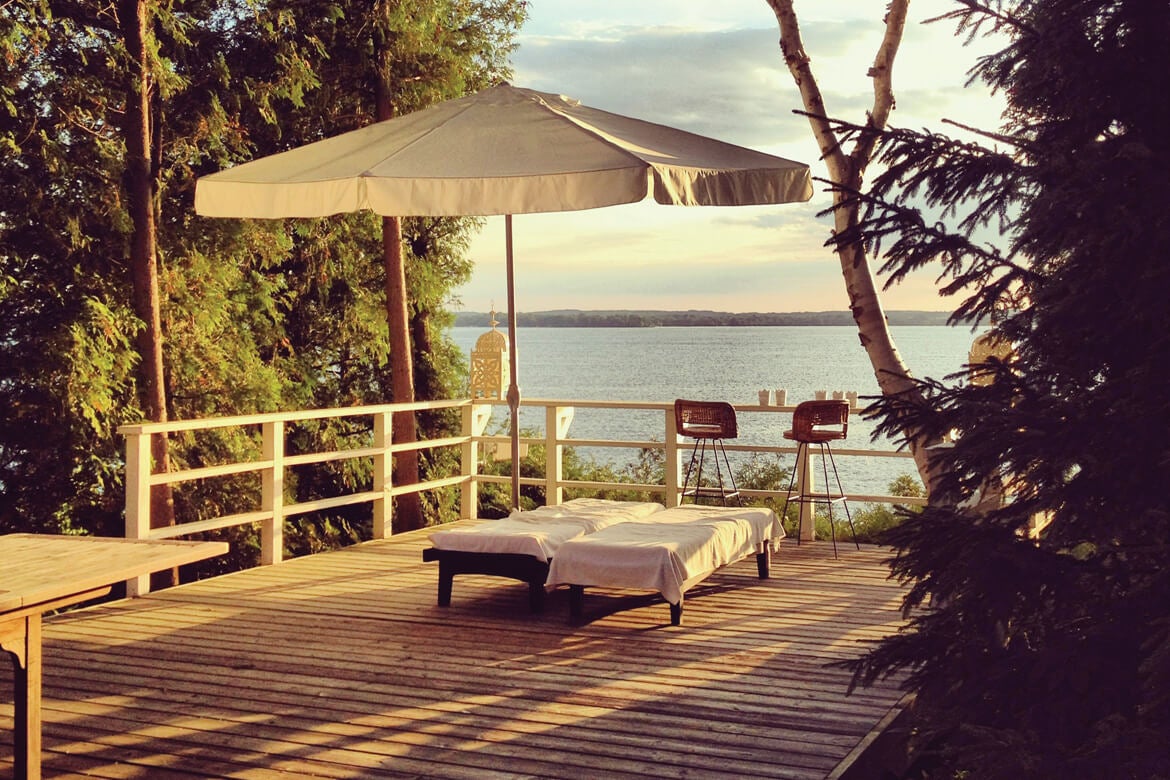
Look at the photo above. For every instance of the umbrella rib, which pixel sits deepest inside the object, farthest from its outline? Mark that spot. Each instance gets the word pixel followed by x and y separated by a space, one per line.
pixel 430 131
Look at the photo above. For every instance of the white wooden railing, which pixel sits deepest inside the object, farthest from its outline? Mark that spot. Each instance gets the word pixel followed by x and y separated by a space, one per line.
pixel 271 511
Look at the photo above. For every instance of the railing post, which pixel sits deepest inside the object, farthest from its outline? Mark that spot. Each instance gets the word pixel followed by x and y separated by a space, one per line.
pixel 272 494
pixel 805 485
pixel 138 501
pixel 557 420
pixel 671 466
pixel 383 470
pixel 475 420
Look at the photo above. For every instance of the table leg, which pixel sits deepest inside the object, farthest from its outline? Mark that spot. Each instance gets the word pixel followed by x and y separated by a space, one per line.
pixel 21 639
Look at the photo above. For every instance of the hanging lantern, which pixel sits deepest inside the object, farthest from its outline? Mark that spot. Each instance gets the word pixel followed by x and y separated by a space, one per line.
pixel 489 364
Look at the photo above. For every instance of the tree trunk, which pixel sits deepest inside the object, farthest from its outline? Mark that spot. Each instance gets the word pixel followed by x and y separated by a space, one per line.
pixel 140 190
pixel 847 171
pixel 425 380
pixel 408 508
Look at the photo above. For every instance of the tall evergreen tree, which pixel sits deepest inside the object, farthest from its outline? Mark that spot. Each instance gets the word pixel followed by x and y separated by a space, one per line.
pixel 71 230
pixel 385 59
pixel 1040 655
pixel 256 315
pixel 85 121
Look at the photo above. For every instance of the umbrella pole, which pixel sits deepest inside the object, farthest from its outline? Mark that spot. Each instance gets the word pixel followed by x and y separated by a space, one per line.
pixel 513 366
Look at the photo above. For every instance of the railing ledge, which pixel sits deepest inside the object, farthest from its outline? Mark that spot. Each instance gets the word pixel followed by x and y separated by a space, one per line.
pixel 273 462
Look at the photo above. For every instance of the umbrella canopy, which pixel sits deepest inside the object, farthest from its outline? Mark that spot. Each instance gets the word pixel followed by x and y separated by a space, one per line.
pixel 504 150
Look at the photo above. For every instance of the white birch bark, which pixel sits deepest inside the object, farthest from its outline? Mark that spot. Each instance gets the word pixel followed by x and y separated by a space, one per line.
pixel 847 169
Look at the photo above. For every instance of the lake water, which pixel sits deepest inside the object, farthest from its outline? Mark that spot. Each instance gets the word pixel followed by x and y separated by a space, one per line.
pixel 728 364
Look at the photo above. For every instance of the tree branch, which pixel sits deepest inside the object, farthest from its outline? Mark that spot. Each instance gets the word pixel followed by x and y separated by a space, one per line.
pixel 798 62
pixel 882 74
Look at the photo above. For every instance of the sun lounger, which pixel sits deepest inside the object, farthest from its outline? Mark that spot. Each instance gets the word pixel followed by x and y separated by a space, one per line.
pixel 520 545
pixel 669 552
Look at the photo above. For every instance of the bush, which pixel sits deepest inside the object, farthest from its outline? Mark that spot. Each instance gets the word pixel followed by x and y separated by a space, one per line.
pixel 758 472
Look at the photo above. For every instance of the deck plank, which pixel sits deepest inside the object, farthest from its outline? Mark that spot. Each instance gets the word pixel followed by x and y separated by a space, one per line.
pixel 340 665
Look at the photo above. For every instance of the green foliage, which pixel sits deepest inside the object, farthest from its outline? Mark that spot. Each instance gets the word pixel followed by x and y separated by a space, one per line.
pixel 871 521
pixel 758 472
pixel 874 521
pixel 333 310
pixel 1048 657
pixel 257 315
pixel 496 499
pixel 66 337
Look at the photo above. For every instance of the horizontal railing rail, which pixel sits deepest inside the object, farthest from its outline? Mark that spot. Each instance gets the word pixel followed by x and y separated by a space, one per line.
pixel 272 465
pixel 271 510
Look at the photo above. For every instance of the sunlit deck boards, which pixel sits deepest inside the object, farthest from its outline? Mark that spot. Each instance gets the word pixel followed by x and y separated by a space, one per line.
pixel 341 666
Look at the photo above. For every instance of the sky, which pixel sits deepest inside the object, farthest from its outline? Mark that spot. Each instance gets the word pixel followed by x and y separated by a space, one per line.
pixel 715 68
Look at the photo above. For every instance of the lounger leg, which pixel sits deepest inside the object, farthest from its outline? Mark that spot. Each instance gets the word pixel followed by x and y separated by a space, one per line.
pixel 576 601
pixel 536 596
pixel 676 613
pixel 764 562
pixel 446 576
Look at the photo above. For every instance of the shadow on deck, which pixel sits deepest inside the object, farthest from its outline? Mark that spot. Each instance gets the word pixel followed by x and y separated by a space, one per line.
pixel 340 665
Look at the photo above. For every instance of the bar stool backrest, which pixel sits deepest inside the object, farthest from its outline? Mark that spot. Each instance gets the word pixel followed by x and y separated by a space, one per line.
pixel 705 419
pixel 820 420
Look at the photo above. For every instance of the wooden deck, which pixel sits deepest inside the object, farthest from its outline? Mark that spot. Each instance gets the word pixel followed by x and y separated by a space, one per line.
pixel 340 665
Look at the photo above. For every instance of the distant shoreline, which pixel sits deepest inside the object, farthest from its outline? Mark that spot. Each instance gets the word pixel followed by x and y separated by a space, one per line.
pixel 633 318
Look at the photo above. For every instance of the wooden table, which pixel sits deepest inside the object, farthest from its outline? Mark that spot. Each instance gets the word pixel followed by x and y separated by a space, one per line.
pixel 40 573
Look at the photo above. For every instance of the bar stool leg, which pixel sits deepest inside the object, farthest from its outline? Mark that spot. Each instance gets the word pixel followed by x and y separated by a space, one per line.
pixel 829 498
pixel 699 477
pixel 788 494
pixel 690 468
pixel 695 466
pixel 844 503
pixel 718 447
pixel 714 444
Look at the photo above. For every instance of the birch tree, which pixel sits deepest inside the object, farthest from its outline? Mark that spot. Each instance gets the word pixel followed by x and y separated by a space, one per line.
pixel 846 168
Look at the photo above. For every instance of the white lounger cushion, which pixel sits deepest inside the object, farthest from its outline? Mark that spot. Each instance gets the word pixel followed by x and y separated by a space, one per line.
pixel 540 532
pixel 667 552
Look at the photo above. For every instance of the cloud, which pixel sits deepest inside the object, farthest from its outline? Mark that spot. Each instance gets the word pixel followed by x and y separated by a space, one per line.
pixel 701 82
pixel 717 70
pixel 732 84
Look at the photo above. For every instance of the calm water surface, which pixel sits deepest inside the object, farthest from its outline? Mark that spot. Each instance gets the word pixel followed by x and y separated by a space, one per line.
pixel 729 364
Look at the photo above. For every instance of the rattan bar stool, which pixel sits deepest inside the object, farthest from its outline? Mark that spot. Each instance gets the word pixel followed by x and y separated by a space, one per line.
pixel 708 423
pixel 819 422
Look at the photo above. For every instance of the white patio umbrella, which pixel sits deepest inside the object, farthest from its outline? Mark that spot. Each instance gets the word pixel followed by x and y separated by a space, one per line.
pixel 504 150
